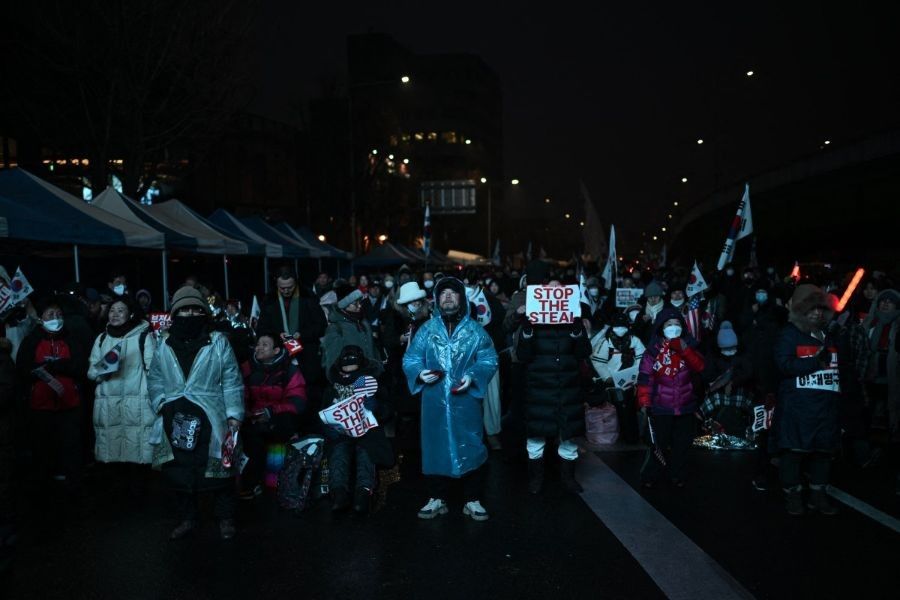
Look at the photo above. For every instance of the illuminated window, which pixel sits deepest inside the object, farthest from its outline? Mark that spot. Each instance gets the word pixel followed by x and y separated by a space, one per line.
pixel 419 136
pixel 449 137
pixel 404 138
pixel 432 136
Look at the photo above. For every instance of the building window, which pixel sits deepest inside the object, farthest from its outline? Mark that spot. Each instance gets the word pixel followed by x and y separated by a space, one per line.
pixel 432 136
pixel 449 137
pixel 404 138
pixel 419 136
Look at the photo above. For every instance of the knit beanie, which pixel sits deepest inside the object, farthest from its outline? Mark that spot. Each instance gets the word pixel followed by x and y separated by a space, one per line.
pixel 727 338
pixel 187 296
pixel 347 295
pixel 653 289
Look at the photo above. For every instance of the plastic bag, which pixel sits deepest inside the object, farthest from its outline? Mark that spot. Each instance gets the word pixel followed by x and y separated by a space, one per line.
pixel 601 425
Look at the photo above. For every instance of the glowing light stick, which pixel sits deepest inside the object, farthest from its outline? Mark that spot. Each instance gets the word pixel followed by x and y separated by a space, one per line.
pixel 857 277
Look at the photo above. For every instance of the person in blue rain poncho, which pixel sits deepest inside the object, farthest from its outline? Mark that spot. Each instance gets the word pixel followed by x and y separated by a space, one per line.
pixel 451 360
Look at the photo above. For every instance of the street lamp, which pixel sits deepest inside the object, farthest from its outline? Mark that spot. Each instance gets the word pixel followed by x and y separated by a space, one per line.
pixel 675 203
pixel 568 216
pixel 321 237
pixel 404 79
pixel 382 238
pixel 700 141
pixel 484 180
pixel 749 73
pixel 515 182
pixel 546 200
pixel 684 180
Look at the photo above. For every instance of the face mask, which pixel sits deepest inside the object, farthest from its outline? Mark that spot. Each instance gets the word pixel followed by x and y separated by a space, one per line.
pixel 632 316
pixel 729 352
pixel 119 290
pixel 187 327
pixel 729 272
pixel 389 284
pixel 677 303
pixel 594 292
pixel 429 283
pixel 672 331
pixel 620 331
pixel 761 297
pixel 412 307
pixel 53 325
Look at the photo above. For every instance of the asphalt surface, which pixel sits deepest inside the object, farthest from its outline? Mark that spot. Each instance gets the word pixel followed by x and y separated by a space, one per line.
pixel 548 546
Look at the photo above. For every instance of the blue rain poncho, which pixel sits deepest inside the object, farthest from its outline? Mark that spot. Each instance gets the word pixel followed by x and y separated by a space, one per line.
pixel 451 423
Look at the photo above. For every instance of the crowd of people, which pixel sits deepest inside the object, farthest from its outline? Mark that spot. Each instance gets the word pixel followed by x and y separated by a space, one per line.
pixel 86 379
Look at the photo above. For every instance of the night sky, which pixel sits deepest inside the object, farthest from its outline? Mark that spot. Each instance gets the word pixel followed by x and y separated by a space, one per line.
pixel 618 95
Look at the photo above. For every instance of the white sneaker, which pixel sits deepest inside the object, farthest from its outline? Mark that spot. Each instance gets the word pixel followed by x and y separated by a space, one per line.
pixel 476 511
pixel 435 507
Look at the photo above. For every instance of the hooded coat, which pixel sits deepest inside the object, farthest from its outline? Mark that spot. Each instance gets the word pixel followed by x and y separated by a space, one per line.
pixel 123 419
pixel 806 408
pixel 452 424
pixel 668 391
pixel 342 332
pixel 885 362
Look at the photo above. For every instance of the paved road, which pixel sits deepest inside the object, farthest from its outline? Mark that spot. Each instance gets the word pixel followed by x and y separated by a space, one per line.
pixel 716 538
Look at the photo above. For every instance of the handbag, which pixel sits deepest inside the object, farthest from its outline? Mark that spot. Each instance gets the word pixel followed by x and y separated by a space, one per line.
pixel 601 425
pixel 185 431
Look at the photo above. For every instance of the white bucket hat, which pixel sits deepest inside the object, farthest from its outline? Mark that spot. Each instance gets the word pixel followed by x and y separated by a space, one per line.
pixel 410 292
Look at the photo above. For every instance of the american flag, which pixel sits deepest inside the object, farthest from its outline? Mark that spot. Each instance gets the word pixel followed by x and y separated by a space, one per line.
pixel 365 385
pixel 692 318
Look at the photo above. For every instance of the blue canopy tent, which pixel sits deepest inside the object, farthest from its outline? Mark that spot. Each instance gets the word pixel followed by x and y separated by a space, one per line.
pixel 69 212
pixel 386 255
pixel 304 235
pixel 233 226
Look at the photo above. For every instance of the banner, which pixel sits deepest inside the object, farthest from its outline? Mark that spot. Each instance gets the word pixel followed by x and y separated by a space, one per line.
pixel 546 305
pixel 254 312
pixel 426 232
pixel 626 297
pixel 696 283
pixel 160 321
pixel 350 415
pixel 495 260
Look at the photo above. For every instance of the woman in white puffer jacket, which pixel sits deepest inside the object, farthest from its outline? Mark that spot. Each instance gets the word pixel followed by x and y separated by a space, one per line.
pixel 120 360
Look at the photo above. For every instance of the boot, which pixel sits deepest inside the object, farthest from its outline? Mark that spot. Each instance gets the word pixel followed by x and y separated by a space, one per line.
pixel 183 528
pixel 819 500
pixel 361 499
pixel 340 499
pixel 567 476
pixel 535 475
pixel 794 501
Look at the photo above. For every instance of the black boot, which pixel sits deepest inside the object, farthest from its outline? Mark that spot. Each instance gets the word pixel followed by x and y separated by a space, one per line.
pixel 361 500
pixel 793 501
pixel 819 500
pixel 340 499
pixel 567 476
pixel 535 475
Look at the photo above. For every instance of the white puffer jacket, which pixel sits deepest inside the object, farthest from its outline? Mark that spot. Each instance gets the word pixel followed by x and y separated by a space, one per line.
pixel 123 419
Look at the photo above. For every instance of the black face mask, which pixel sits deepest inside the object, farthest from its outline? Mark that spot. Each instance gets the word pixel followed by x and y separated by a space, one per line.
pixel 187 328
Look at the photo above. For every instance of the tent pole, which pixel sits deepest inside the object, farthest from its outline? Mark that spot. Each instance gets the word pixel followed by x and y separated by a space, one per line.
pixel 225 268
pixel 296 268
pixel 77 267
pixel 320 264
pixel 266 274
pixel 165 280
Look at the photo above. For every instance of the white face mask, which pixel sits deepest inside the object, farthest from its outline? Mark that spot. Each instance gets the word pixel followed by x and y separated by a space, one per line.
pixel 119 290
pixel 729 352
pixel 677 303
pixel 429 283
pixel 53 325
pixel 412 307
pixel 594 292
pixel 632 316
pixel 729 272
pixel 388 284
pixel 672 331
pixel 620 331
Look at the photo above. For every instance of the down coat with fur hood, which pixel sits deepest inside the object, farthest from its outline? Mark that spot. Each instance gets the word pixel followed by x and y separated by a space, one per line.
pixel 806 410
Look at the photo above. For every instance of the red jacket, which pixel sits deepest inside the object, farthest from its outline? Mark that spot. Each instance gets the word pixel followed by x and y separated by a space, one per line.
pixel 59 355
pixel 278 385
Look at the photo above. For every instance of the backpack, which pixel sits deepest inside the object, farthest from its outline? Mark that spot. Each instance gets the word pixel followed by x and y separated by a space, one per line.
pixel 141 344
pixel 301 463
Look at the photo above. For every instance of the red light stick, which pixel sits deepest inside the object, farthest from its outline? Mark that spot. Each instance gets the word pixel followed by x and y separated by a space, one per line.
pixel 795 272
pixel 857 277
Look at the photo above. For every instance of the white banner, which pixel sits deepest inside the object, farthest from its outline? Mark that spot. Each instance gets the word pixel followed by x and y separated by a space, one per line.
pixel 350 415
pixel 547 305
pixel 626 297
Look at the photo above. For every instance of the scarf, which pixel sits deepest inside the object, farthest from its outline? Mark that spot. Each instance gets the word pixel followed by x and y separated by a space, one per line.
pixel 121 330
pixel 187 346
pixel 290 322
pixel 668 362
pixel 652 311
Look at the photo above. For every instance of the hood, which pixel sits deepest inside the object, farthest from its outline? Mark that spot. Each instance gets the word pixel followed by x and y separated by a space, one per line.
pixel 275 363
pixel 457 286
pixel 667 313
pixel 805 298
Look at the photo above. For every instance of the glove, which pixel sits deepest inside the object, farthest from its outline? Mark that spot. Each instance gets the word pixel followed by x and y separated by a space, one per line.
pixel 464 384
pixel 677 345
pixel 527 329
pixel 427 377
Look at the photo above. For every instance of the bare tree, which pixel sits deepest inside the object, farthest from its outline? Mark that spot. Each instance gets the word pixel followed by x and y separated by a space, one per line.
pixel 126 79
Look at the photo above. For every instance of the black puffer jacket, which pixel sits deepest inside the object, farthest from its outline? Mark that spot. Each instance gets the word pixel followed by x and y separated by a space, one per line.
pixel 554 397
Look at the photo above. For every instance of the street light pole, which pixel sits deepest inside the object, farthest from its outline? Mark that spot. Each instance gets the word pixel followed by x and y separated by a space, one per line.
pixel 489 221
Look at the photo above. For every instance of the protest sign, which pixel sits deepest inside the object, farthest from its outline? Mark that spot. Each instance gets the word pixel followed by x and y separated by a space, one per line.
pixel 350 416
pixel 547 305
pixel 626 378
pixel 626 297
pixel 160 321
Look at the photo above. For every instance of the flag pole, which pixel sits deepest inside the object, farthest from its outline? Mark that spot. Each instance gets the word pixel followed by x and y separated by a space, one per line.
pixel 77 267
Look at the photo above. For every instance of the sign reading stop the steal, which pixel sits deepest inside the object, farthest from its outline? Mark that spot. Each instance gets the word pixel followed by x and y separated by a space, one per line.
pixel 546 305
